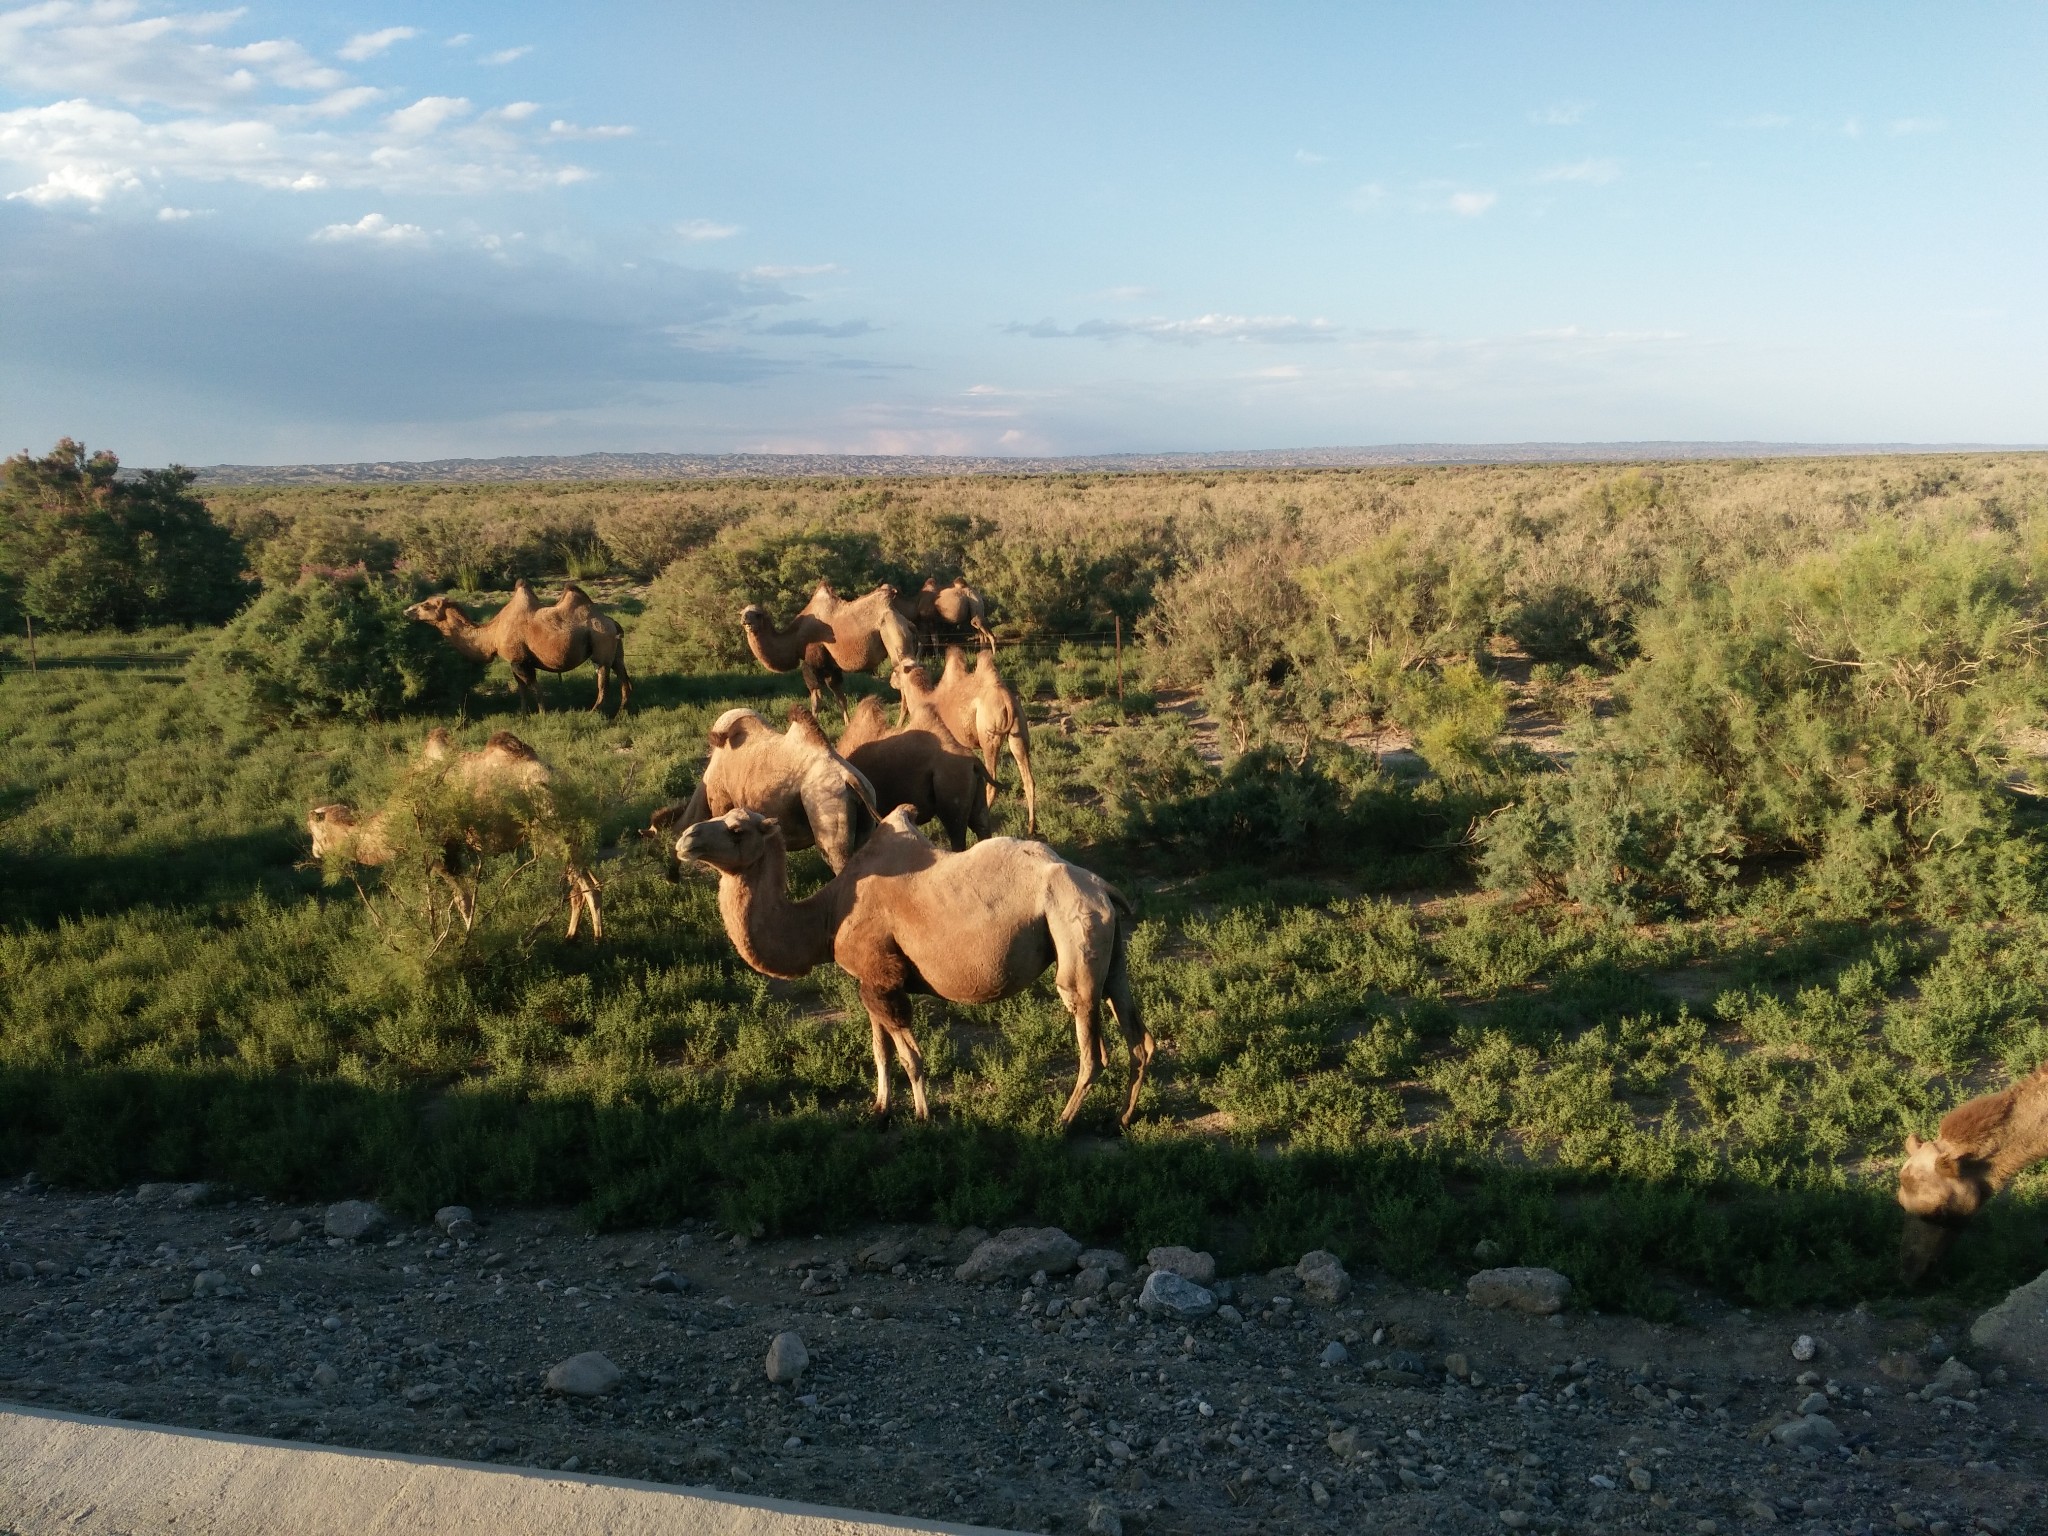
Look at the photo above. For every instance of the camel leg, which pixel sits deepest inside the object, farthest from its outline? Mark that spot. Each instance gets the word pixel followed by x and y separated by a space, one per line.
pixel 989 748
pixel 583 889
pixel 1087 1046
pixel 1020 749
pixel 1123 1002
pixel 890 1011
pixel 604 676
pixel 880 1042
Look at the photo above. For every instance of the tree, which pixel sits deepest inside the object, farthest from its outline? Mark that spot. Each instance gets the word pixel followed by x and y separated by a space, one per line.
pixel 81 548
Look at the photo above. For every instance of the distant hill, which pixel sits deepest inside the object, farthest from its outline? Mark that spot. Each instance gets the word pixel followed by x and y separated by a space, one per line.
pixel 755 466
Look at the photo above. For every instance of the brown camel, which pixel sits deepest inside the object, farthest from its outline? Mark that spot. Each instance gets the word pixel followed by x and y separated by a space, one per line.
pixel 530 638
pixel 981 710
pixel 921 765
pixel 794 776
pixel 904 918
pixel 947 615
pixel 501 781
pixel 1980 1148
pixel 803 647
pixel 865 632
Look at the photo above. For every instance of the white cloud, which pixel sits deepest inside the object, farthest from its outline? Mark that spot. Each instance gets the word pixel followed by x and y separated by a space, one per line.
pixel 428 113
pixel 1364 198
pixel 172 215
pixel 1561 114
pixel 374 229
pixel 567 130
pixel 459 40
pixel 1310 157
pixel 1269 329
pixel 1597 171
pixel 1902 126
pixel 367 45
pixel 338 103
pixel 774 274
pixel 516 111
pixel 99 48
pixel 507 55
pixel 706 229
pixel 1469 205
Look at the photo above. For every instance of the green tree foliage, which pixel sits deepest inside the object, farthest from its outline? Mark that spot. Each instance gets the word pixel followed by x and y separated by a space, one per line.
pixel 328 648
pixel 1852 712
pixel 82 549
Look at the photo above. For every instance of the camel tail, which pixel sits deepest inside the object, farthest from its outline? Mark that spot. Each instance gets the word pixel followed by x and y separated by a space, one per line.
pixel 1123 1002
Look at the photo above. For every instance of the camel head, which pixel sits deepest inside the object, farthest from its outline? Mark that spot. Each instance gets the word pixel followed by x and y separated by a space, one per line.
pixel 754 618
pixel 438 747
pixel 733 843
pixel 331 826
pixel 440 610
pixel 1939 1183
pixel 907 677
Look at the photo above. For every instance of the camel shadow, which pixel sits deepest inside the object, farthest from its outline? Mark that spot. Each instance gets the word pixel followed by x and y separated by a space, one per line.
pixel 49 886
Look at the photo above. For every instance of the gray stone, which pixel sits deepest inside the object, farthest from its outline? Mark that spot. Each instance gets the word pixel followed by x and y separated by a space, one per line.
pixel 1185 1262
pixel 589 1374
pixel 20 1269
pixel 1345 1443
pixel 1486 1250
pixel 787 1358
pixel 2016 1330
pixel 1804 1348
pixel 1323 1277
pixel 1106 1259
pixel 1457 1365
pixel 1229 1314
pixel 1952 1380
pixel 286 1230
pixel 188 1197
pixel 668 1283
pixel 154 1193
pixel 1520 1288
pixel 458 1221
pixel 1092 1281
pixel 1103 1520
pixel 325 1375
pixel 209 1282
pixel 885 1255
pixel 422 1392
pixel 354 1220
pixel 1169 1295
pixel 1017 1252
pixel 1814 1402
pixel 1642 1479
pixel 1335 1354
pixel 1809 1432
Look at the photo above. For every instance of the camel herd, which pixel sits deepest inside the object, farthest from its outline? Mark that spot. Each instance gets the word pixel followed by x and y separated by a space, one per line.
pixel 900 915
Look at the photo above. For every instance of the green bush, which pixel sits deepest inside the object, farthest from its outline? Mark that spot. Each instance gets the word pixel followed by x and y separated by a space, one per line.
pixel 1564 624
pixel 82 549
pixel 693 609
pixel 330 648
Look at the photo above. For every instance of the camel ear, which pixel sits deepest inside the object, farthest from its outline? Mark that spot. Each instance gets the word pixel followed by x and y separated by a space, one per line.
pixel 1947 1164
pixel 719 739
pixel 1913 1143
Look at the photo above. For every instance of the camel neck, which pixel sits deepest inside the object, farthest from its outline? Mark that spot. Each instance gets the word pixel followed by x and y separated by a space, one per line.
pixel 470 638
pixel 774 935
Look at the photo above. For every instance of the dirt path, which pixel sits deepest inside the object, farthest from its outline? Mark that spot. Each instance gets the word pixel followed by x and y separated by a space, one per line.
pixel 994 1404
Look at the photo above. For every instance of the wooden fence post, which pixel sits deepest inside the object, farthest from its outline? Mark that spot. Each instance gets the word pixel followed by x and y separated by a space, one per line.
pixel 30 621
pixel 1119 661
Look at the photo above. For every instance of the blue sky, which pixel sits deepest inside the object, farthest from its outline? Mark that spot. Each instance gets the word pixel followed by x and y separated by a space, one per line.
pixel 402 230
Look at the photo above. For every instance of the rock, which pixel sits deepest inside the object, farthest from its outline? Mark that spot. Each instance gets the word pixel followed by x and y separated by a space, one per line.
pixel 1323 1277
pixel 1092 1281
pixel 1952 1380
pixel 1902 1365
pixel 187 1197
pixel 1229 1314
pixel 1642 1479
pixel 209 1282
pixel 1103 1520
pixel 668 1283
pixel 787 1358
pixel 960 1246
pixel 288 1230
pixel 458 1221
pixel 589 1374
pixel 1017 1252
pixel 1344 1443
pixel 1520 1288
pixel 20 1269
pixel 1804 1349
pixel 1412 1335
pixel 1814 1402
pixel 153 1194
pixel 235 1402
pixel 1335 1354
pixel 425 1392
pixel 1810 1432
pixel 325 1375
pixel 2016 1330
pixel 1108 1260
pixel 1407 1363
pixel 885 1255
pixel 1457 1365
pixel 1486 1250
pixel 1185 1262
pixel 1169 1295
pixel 354 1220
pixel 1513 1519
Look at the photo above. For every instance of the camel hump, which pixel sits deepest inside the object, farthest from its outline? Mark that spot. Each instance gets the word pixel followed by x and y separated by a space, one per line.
pixel 511 746
pixel 1968 1125
pixel 438 747
pixel 573 599
pixel 867 725
pixel 732 728
pixel 803 727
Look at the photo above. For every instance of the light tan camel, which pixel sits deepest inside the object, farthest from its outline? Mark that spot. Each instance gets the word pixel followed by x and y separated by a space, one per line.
pixel 865 632
pixel 1980 1148
pixel 803 647
pixel 921 765
pixel 981 710
pixel 904 918
pixel 949 614
pixel 496 778
pixel 793 775
pixel 529 638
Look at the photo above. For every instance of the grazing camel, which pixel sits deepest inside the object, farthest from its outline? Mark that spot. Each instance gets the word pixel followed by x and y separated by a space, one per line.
pixel 803 647
pixel 946 615
pixel 500 779
pixel 921 765
pixel 981 710
pixel 794 776
pixel 866 631
pixel 1980 1148
pixel 530 638
pixel 904 918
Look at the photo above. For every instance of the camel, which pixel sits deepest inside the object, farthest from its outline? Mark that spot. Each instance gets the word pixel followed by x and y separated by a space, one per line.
pixel 949 614
pixel 1980 1148
pixel 866 631
pixel 794 776
pixel 800 648
pixel 903 918
pixel 981 710
pixel 496 778
pixel 528 637
pixel 921 765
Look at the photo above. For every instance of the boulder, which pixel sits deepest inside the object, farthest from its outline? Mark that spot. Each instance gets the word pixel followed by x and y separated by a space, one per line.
pixel 589 1374
pixel 1185 1262
pixel 1106 1259
pixel 886 1254
pixel 1809 1432
pixel 1954 1379
pixel 188 1197
pixel 1091 1282
pixel 458 1221
pixel 1170 1296
pixel 1335 1353
pixel 2016 1330
pixel 1018 1252
pixel 1519 1288
pixel 1323 1277
pixel 355 1220
pixel 209 1282
pixel 787 1358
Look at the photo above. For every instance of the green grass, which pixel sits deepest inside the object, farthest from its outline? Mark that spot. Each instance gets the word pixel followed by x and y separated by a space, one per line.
pixel 1361 1053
